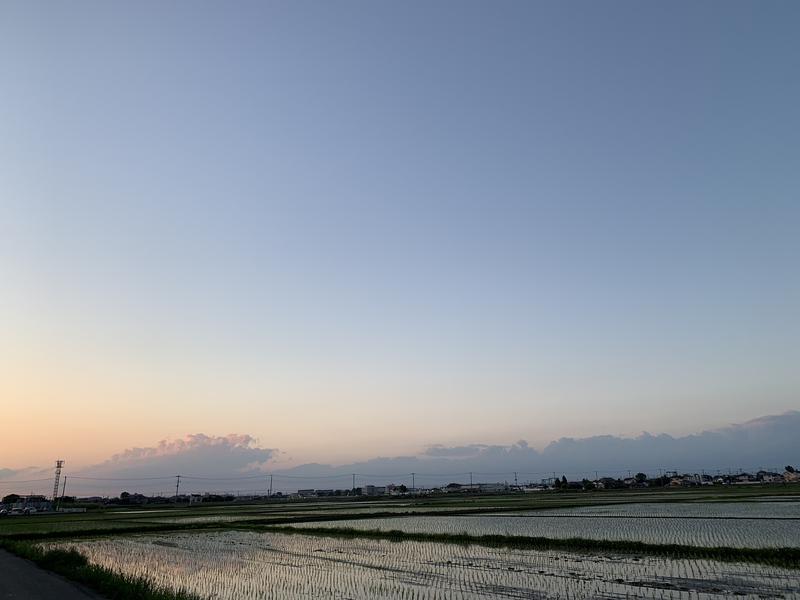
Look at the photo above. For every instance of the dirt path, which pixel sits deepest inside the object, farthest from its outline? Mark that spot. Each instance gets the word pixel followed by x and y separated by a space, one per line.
pixel 21 579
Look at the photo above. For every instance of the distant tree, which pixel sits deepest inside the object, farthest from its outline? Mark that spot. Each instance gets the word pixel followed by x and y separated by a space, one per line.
pixel 401 488
pixel 124 496
pixel 588 485
pixel 564 481
pixel 10 499
pixel 790 469
pixel 640 478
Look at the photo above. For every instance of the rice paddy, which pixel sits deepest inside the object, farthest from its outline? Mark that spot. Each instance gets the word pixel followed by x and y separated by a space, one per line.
pixel 230 565
pixel 739 525
pixel 692 510
pixel 701 544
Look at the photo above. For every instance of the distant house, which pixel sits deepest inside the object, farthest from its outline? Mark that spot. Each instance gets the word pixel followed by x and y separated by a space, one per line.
pixel 374 490
pixel 491 487
pixel 310 493
pixel 534 488
pixel 608 483
pixel 39 503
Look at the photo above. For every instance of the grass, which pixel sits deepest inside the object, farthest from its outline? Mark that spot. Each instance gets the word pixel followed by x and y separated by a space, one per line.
pixel 73 565
pixel 777 557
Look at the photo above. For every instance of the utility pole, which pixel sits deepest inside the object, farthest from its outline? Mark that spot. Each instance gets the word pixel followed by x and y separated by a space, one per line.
pixel 516 483
pixel 270 485
pixel 413 484
pixel 177 486
pixel 470 479
pixel 596 478
pixel 354 483
pixel 59 465
pixel 63 489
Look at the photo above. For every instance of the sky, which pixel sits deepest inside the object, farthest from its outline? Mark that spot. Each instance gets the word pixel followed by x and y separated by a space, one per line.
pixel 360 229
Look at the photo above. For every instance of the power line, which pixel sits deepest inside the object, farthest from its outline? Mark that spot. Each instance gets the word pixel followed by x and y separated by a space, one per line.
pixel 4 481
pixel 121 478
pixel 278 477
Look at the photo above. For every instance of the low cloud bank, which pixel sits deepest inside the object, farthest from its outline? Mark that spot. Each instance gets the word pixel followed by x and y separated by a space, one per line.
pixel 237 461
pixel 24 473
pixel 197 455
pixel 766 442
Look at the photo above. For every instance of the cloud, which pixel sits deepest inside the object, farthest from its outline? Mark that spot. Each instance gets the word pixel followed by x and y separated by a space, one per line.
pixel 24 473
pixel 197 442
pixel 239 462
pixel 196 455
pixel 454 451
pixel 769 442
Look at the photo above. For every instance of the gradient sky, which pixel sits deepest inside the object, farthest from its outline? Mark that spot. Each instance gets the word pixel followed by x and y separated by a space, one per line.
pixel 356 228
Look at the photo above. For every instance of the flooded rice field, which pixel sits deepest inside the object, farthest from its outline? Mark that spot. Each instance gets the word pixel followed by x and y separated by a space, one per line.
pixel 689 510
pixel 253 566
pixel 738 525
pixel 187 517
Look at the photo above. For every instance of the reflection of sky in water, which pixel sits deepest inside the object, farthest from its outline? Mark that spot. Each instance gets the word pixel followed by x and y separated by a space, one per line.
pixel 742 524
pixel 246 565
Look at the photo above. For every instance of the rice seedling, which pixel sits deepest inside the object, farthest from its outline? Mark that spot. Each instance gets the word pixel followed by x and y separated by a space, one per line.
pixel 708 525
pixel 254 566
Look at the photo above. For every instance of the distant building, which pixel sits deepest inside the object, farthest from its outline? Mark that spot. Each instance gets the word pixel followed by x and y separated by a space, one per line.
pixel 491 488
pixel 374 490
pixel 36 502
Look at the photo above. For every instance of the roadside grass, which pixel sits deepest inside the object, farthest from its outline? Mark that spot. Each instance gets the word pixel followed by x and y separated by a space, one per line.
pixel 776 557
pixel 73 565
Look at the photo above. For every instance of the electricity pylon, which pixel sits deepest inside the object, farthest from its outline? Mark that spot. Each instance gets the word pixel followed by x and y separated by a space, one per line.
pixel 59 464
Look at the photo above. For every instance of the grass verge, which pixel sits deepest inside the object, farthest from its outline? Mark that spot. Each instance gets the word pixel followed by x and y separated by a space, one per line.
pixel 777 557
pixel 73 565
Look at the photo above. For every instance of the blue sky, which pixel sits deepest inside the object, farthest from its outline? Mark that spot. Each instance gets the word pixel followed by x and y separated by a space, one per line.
pixel 464 222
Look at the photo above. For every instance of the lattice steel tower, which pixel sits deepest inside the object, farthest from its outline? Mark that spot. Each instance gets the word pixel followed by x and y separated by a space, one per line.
pixel 59 464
